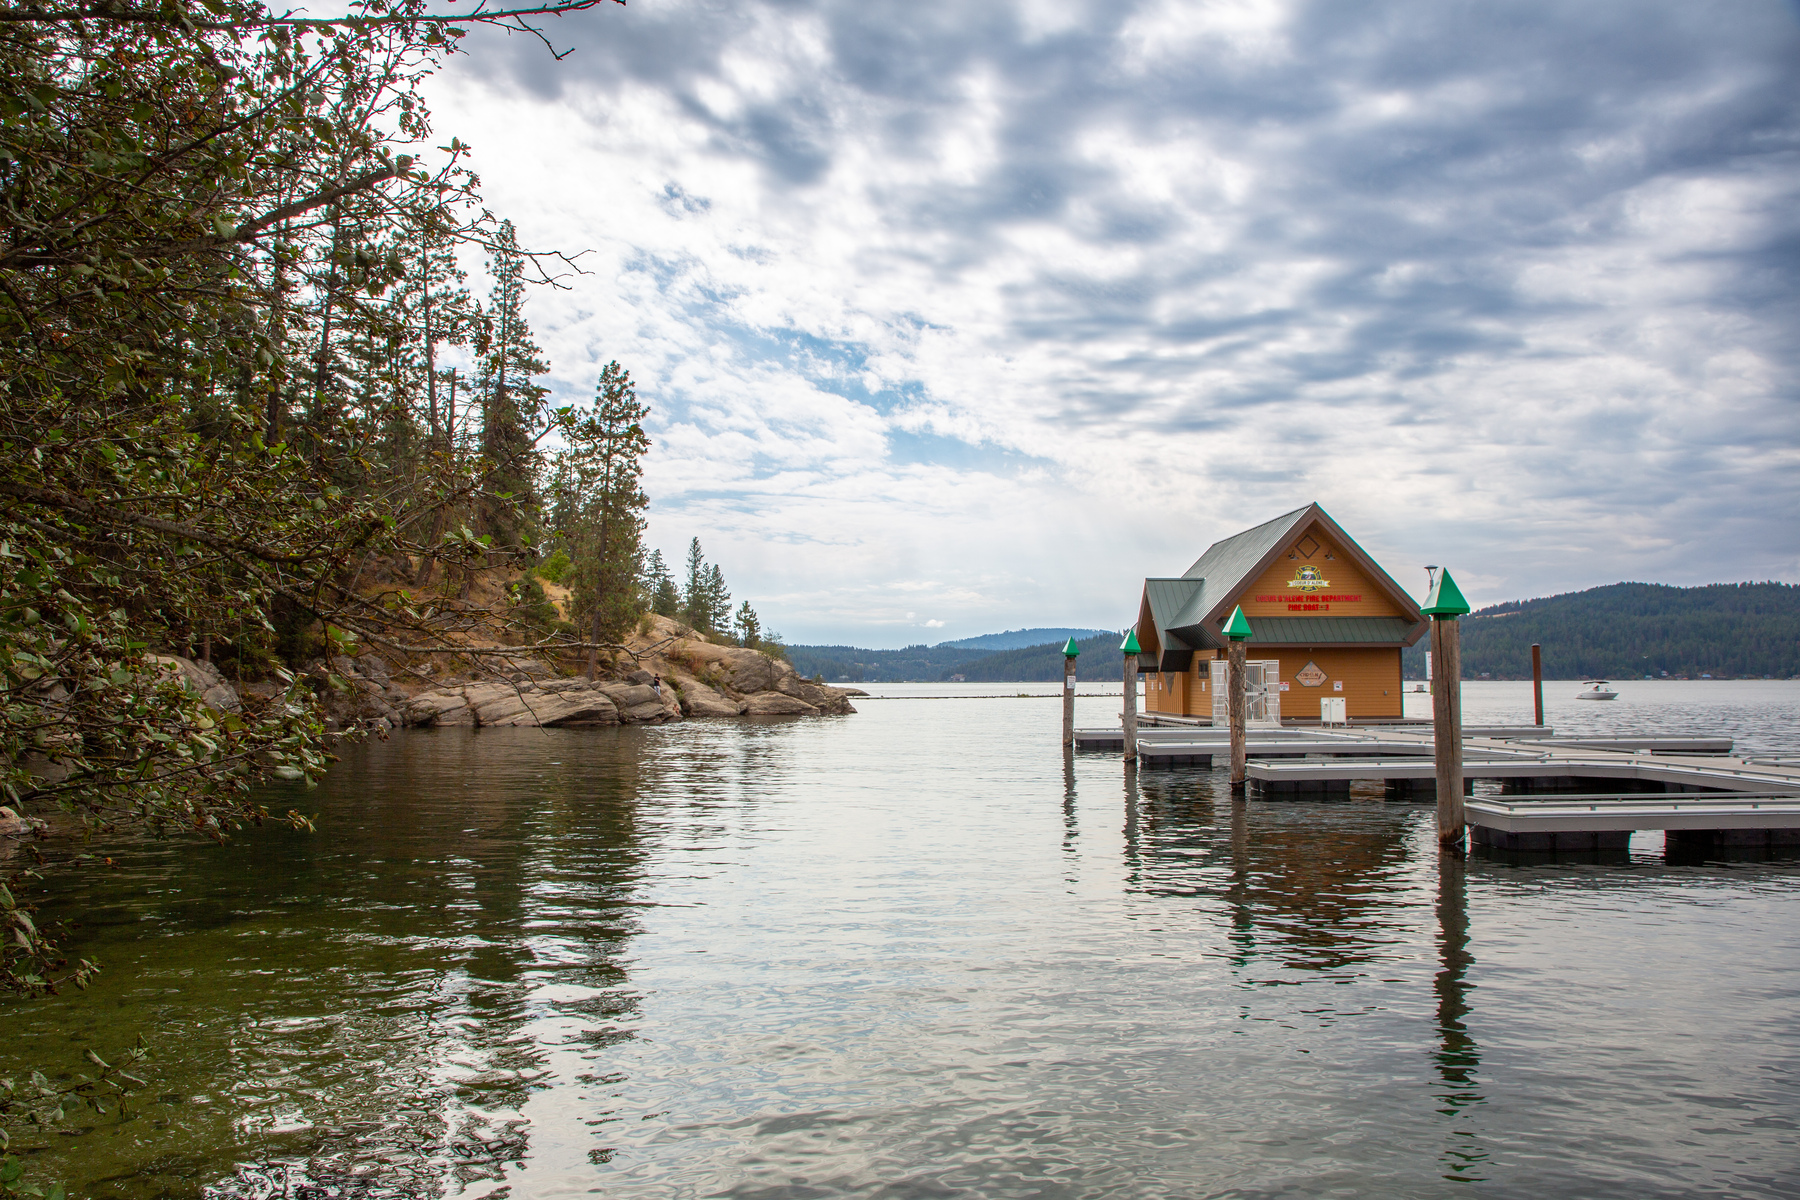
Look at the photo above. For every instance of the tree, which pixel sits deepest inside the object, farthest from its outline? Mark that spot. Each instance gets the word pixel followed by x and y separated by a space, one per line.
pixel 718 601
pixel 512 404
pixel 599 474
pixel 748 627
pixel 694 607
pixel 659 586
pixel 209 392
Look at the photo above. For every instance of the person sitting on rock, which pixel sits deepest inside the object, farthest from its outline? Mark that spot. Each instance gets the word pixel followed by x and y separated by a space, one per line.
pixel 656 683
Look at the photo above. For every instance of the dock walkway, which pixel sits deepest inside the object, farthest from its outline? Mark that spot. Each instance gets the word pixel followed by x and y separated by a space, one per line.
pixel 1621 784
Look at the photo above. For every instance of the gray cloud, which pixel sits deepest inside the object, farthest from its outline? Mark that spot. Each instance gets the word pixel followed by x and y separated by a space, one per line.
pixel 1550 248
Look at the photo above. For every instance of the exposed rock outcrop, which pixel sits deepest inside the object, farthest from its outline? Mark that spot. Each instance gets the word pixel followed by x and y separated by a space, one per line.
pixel 202 679
pixel 676 674
pixel 550 702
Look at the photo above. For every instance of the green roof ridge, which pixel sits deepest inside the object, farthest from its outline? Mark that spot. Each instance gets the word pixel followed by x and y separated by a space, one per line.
pixel 1446 599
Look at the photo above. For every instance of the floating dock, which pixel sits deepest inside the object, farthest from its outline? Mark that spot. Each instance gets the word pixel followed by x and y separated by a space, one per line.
pixel 1619 784
pixel 1606 822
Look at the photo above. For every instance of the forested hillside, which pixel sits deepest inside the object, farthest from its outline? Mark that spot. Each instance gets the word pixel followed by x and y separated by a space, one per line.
pixel 1017 639
pixel 853 664
pixel 1635 629
pixel 1100 661
pixel 969 658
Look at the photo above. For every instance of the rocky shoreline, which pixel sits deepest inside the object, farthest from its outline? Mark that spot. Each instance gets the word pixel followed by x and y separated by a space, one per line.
pixel 698 679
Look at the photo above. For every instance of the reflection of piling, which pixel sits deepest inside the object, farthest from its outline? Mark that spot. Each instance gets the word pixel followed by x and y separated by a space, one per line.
pixel 1069 653
pixel 1458 1056
pixel 1128 718
pixel 1537 683
pixel 1070 827
pixel 1237 629
pixel 1443 606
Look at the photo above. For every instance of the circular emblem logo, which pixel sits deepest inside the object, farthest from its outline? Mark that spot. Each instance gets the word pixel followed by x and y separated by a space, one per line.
pixel 1307 580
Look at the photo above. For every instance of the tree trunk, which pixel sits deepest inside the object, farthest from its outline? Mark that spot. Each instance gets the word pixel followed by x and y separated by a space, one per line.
pixel 593 663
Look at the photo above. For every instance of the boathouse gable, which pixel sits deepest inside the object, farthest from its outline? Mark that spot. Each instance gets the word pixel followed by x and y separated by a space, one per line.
pixel 1317 604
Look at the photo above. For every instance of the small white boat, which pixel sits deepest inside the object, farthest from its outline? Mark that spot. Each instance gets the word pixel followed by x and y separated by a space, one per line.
pixel 1600 691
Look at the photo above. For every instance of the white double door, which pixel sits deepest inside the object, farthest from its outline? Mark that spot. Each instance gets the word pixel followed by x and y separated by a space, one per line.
pixel 1262 693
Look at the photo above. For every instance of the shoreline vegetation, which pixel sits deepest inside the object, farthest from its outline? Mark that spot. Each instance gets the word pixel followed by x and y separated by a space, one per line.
pixel 266 454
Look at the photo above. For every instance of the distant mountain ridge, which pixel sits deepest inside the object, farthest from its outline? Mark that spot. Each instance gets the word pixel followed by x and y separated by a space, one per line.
pixel 1629 630
pixel 853 664
pixel 1014 639
pixel 1099 661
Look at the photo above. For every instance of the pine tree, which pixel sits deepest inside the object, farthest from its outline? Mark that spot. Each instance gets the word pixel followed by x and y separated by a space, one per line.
pixel 694 608
pixel 602 503
pixel 718 601
pixel 748 627
pixel 659 586
pixel 512 405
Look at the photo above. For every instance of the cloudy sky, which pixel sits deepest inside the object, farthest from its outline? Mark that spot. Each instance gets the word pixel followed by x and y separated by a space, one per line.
pixel 967 316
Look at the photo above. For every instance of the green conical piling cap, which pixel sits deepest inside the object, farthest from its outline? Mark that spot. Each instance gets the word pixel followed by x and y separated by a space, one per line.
pixel 1129 645
pixel 1238 628
pixel 1071 649
pixel 1446 599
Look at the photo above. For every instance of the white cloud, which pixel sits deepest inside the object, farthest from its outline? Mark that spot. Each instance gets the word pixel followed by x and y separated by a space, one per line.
pixel 994 310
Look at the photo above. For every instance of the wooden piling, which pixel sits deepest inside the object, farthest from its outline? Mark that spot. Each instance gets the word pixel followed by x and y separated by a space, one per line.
pixel 1237 631
pixel 1444 606
pixel 1128 717
pixel 1070 651
pixel 1234 702
pixel 1537 684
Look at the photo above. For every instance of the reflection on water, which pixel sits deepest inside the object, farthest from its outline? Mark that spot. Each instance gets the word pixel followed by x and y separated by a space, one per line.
pixel 911 952
pixel 1457 1054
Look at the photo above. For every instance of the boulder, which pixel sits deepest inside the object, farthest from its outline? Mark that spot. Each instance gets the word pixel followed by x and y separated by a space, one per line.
pixel 778 704
pixel 698 700
pixel 553 702
pixel 572 706
pixel 13 825
pixel 202 679
pixel 441 707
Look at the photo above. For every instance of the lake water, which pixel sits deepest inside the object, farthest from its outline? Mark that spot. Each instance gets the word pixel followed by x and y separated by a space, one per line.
pixel 915 953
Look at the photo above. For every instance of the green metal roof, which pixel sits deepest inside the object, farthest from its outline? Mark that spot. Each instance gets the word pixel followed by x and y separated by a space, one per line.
pixel 1169 599
pixel 1234 558
pixel 1333 631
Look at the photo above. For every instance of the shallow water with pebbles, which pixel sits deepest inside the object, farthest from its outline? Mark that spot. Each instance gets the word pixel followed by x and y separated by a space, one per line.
pixel 915 952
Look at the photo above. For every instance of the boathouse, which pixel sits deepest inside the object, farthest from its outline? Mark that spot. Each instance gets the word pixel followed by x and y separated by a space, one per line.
pixel 1318 606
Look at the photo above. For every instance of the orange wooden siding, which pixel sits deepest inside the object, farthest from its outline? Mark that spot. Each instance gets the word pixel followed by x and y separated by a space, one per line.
pixel 1347 591
pixel 1370 678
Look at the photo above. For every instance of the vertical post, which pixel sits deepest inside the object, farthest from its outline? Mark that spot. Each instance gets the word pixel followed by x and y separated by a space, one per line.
pixel 1444 606
pixel 1070 651
pixel 1128 718
pixel 206 648
pixel 1237 631
pixel 1537 683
